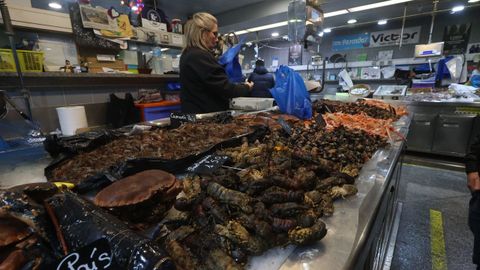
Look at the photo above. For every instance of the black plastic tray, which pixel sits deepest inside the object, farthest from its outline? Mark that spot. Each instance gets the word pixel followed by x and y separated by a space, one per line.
pixel 133 166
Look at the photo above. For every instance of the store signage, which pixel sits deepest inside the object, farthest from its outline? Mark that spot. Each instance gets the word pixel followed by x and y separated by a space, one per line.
pixel 96 255
pixel 208 164
pixel 456 38
pixel 295 55
pixel 358 41
pixel 411 35
pixel 97 18
pixel 285 126
pixel 319 119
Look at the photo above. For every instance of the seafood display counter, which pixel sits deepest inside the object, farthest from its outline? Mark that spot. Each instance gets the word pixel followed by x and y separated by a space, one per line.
pixel 444 128
pixel 361 227
pixel 358 231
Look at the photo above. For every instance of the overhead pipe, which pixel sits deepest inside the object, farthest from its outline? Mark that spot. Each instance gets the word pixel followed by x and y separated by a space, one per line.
pixel 403 25
pixel 434 13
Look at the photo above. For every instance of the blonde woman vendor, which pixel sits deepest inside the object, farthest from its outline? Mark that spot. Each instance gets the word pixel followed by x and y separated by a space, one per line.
pixel 205 86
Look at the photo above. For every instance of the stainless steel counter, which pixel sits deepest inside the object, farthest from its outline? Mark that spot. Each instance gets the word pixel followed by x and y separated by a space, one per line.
pixel 352 230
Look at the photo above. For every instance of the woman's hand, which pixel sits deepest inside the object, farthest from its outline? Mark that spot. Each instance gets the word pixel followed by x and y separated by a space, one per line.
pixel 473 181
pixel 249 84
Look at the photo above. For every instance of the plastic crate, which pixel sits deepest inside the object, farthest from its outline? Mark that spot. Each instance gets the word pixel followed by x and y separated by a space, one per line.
pixel 30 61
pixel 158 110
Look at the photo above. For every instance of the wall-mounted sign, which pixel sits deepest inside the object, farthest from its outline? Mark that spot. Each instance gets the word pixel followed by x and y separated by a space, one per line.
pixel 456 38
pixel 411 35
pixel 295 55
pixel 97 18
pixel 358 41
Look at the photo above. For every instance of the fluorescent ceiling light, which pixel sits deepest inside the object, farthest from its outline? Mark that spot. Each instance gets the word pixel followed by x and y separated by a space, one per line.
pixel 473 1
pixel 260 28
pixel 320 34
pixel 458 8
pixel 241 32
pixel 335 13
pixel 377 5
pixel 164 49
pixel 351 21
pixel 55 5
pixel 382 22
pixel 327 30
pixel 275 34
pixel 329 14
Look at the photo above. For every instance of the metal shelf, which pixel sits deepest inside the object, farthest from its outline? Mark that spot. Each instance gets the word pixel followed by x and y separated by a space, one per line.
pixel 59 79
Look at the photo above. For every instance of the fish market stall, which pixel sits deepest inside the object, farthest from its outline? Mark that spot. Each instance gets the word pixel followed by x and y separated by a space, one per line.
pixel 258 195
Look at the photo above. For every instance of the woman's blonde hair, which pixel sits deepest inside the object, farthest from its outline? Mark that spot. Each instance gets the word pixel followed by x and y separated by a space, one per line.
pixel 200 23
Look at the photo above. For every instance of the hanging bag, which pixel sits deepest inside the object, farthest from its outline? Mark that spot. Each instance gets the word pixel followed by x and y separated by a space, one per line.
pixel 230 60
pixel 291 94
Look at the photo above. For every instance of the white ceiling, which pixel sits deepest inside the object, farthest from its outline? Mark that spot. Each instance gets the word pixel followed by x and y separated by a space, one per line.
pixel 183 8
pixel 239 19
pixel 237 15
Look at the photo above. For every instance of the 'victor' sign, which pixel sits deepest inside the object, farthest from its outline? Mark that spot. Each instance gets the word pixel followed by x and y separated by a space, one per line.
pixel 411 35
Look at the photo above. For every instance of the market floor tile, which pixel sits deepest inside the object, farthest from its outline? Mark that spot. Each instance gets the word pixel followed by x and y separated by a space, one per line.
pixel 421 189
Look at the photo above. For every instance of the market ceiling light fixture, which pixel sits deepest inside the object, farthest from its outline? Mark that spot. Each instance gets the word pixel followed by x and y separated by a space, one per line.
pixel 320 34
pixel 260 28
pixel 275 34
pixel 458 9
pixel 351 21
pixel 327 15
pixel 377 5
pixel 335 13
pixel 382 22
pixel 54 5
pixel 327 30
pixel 473 1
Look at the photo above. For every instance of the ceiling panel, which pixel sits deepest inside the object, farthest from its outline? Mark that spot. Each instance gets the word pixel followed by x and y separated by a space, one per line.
pixel 182 8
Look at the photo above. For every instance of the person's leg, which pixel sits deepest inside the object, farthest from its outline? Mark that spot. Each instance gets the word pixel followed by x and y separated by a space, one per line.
pixel 474 224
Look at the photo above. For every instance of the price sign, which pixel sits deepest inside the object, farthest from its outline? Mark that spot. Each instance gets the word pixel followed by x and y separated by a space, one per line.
pixel 285 126
pixel 208 164
pixel 176 119
pixel 320 121
pixel 96 255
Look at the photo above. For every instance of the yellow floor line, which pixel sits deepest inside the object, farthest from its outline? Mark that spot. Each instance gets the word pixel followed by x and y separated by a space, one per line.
pixel 437 241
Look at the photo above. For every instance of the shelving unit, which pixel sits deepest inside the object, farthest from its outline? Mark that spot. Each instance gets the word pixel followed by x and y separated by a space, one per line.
pixel 360 64
pixel 9 80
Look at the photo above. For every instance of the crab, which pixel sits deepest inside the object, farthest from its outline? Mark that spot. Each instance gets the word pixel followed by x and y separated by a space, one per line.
pixel 343 191
pixel 143 197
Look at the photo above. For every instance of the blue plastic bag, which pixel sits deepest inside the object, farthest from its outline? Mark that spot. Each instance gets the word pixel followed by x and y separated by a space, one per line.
pixel 291 94
pixel 232 66
pixel 475 81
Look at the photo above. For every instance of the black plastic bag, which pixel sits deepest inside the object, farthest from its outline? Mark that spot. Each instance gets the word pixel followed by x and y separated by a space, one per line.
pixel 133 166
pixel 122 112
pixel 71 145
